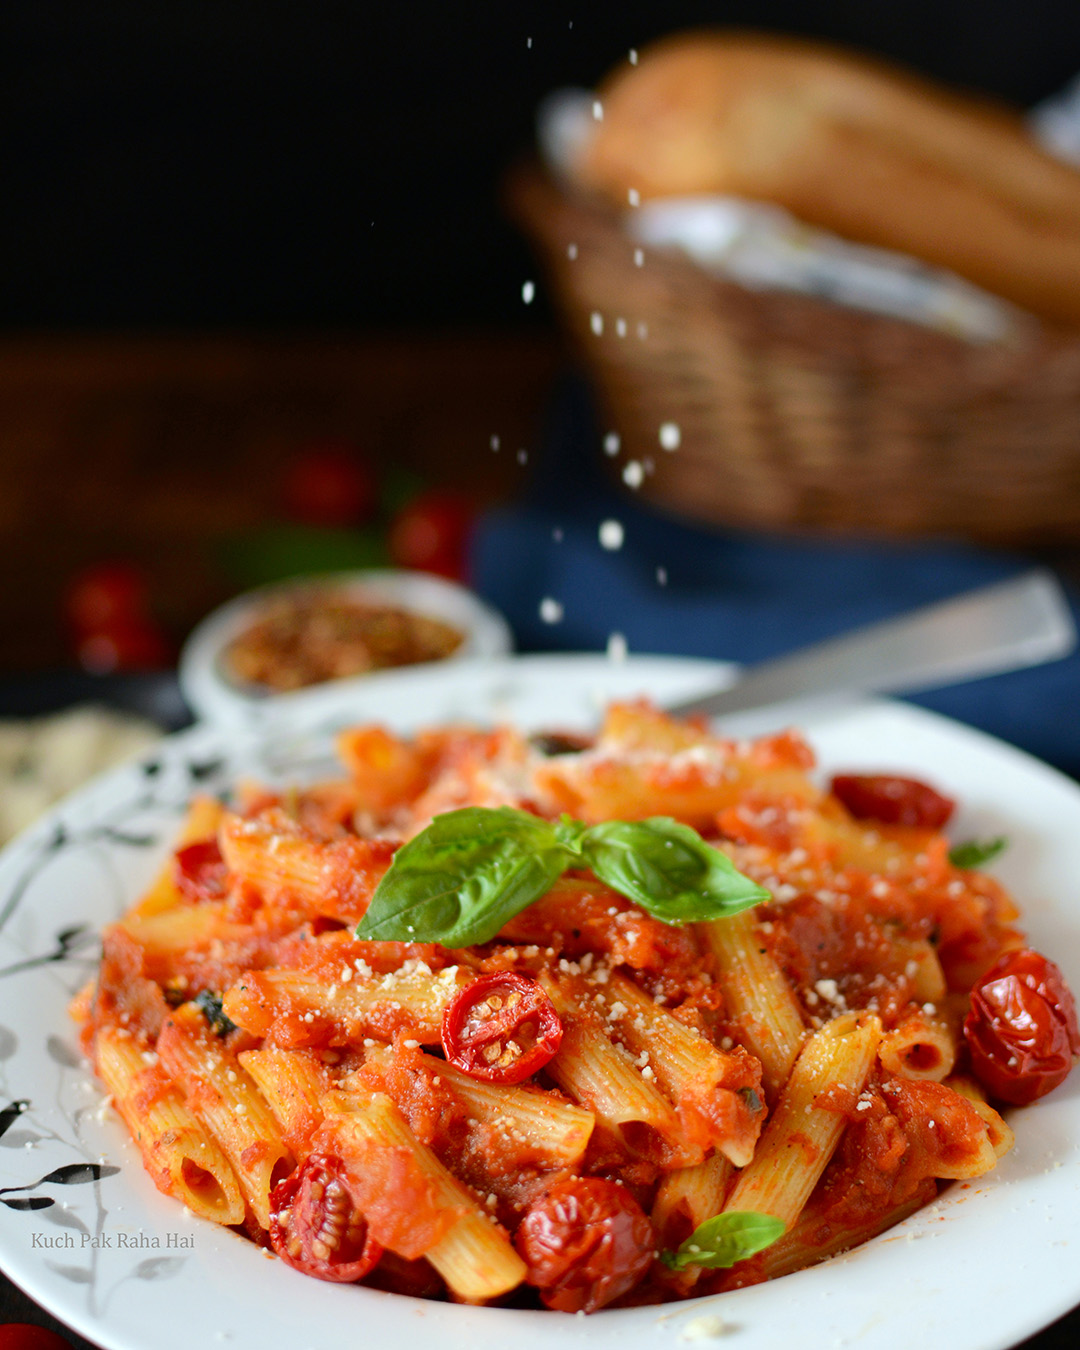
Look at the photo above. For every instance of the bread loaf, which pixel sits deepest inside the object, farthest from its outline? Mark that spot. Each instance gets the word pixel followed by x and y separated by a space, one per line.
pixel 851 145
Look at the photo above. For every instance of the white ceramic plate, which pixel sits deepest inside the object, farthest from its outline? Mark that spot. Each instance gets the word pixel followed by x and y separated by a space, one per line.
pixel 979 1270
pixel 214 695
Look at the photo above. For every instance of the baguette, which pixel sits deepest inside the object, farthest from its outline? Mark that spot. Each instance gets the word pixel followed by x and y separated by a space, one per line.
pixel 851 145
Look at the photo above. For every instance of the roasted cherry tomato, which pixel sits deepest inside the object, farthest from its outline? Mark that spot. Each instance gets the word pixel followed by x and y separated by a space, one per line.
pixel 109 621
pixel 329 483
pixel 1021 1031
pixel 199 871
pixel 29 1336
pixel 893 801
pixel 501 1028
pixel 585 1242
pixel 431 534
pixel 316 1228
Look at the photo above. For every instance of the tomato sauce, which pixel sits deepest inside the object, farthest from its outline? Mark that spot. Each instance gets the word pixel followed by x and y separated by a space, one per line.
pixel 399 1202
pixel 867 913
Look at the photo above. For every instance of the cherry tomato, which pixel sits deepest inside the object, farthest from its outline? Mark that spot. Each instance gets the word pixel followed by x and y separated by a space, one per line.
pixel 892 800
pixel 585 1242
pixel 501 1028
pixel 105 595
pixel 29 1336
pixel 1021 1031
pixel 110 623
pixel 133 644
pixel 316 1228
pixel 329 483
pixel 431 534
pixel 199 871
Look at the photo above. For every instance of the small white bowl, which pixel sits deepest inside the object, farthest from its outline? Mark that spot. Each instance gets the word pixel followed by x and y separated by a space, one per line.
pixel 214 695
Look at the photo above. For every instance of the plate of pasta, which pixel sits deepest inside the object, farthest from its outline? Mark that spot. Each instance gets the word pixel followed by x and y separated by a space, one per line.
pixel 494 1004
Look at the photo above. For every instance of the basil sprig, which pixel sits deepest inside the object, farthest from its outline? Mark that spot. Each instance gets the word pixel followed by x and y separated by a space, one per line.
pixel 467 874
pixel 460 880
pixel 977 852
pixel 668 869
pixel 724 1239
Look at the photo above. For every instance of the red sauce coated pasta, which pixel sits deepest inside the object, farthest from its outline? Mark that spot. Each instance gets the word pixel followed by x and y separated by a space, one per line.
pixel 566 1110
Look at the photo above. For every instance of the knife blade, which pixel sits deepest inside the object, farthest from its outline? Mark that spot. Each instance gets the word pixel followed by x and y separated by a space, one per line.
pixel 1013 624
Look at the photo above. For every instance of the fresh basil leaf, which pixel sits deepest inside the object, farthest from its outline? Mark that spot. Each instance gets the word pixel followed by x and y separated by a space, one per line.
pixel 669 870
pixel 570 833
pixel 724 1239
pixel 977 852
pixel 461 879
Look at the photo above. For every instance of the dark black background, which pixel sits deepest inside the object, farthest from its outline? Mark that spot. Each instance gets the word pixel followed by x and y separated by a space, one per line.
pixel 216 163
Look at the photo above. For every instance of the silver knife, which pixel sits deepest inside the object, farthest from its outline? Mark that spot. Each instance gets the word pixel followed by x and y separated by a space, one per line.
pixel 1007 626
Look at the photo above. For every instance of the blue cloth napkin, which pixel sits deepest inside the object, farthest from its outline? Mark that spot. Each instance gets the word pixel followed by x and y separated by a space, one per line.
pixel 677 588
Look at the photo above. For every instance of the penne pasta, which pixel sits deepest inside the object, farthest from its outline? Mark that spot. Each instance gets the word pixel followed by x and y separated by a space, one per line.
pixel 645 765
pixel 386 771
pixel 757 996
pixel 687 1196
pixel 293 1082
pixel 288 865
pixel 716 1093
pixel 296 1008
pixel 814 1237
pixel 470 1252
pixel 546 1132
pixel 602 1076
pixel 177 1152
pixel 803 1132
pixel 164 933
pixel 921 1046
pixel 998 1132
pixel 201 822
pixel 922 968
pixel 224 1098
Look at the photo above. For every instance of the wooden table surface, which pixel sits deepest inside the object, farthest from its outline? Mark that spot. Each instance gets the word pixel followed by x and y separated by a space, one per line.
pixel 156 448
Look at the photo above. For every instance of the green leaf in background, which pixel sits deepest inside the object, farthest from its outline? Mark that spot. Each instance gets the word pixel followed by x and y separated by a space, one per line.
pixel 724 1239
pixel 398 487
pixel 669 870
pixel 460 880
pixel 977 852
pixel 278 552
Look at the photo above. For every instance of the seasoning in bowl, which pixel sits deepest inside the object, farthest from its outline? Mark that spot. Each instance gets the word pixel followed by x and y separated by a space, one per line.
pixel 314 636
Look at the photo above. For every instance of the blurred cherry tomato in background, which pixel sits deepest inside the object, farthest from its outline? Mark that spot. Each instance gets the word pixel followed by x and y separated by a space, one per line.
pixel 329 483
pixel 27 1336
pixel 107 609
pixel 892 800
pixel 139 645
pixel 106 594
pixel 431 533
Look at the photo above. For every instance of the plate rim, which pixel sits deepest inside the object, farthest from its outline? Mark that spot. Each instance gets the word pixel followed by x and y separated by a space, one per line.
pixel 208 733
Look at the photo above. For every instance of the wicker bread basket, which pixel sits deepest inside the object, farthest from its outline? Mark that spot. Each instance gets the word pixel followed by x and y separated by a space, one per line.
pixel 798 414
